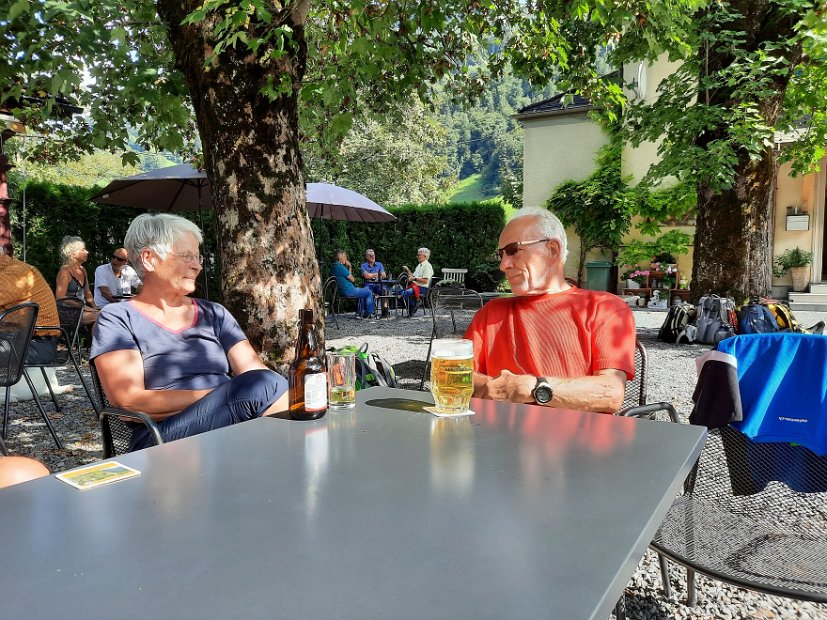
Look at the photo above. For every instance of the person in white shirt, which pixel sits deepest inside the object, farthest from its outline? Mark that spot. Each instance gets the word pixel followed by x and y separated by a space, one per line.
pixel 421 277
pixel 110 276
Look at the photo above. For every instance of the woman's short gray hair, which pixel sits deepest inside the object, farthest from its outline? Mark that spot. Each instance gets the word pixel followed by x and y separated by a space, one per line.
pixel 548 227
pixel 426 251
pixel 157 232
pixel 68 246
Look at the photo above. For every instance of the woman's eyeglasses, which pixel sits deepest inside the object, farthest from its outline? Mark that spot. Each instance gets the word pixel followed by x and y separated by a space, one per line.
pixel 512 248
pixel 190 258
pixel 121 259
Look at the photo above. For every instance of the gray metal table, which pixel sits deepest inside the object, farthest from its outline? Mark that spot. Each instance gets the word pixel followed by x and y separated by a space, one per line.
pixel 381 512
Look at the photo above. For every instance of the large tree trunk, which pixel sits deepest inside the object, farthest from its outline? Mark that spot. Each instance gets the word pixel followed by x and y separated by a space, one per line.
pixel 733 237
pixel 733 234
pixel 252 159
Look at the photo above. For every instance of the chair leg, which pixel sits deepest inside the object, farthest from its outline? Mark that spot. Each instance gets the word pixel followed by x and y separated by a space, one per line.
pixel 49 386
pixel 6 411
pixel 691 597
pixel 3 450
pixel 664 575
pixel 86 389
pixel 40 408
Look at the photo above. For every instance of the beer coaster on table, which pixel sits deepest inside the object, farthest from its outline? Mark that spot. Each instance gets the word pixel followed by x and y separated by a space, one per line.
pixel 433 410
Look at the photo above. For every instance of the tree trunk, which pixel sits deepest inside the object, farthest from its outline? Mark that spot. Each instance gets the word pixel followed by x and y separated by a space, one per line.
pixel 252 159
pixel 733 236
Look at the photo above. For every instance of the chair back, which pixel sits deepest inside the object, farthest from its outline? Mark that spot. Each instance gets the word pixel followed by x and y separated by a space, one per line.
pixel 636 388
pixel 16 327
pixel 447 299
pixel 115 434
pixel 456 275
pixel 70 313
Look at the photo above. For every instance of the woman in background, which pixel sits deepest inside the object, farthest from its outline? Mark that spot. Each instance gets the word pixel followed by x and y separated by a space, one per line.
pixel 72 279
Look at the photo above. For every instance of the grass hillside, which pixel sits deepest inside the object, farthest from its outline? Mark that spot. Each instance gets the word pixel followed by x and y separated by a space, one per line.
pixel 470 189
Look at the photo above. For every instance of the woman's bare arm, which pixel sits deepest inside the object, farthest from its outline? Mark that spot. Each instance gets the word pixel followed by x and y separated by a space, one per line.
pixel 122 377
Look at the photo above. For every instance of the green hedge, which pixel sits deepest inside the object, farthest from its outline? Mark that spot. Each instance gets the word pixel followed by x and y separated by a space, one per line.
pixel 54 210
pixel 458 235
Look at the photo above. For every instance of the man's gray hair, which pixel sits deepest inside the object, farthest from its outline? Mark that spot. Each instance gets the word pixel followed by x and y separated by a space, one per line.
pixel 427 252
pixel 548 226
pixel 157 232
pixel 68 246
pixel 369 251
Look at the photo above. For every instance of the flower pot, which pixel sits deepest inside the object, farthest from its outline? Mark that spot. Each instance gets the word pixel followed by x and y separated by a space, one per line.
pixel 800 276
pixel 632 284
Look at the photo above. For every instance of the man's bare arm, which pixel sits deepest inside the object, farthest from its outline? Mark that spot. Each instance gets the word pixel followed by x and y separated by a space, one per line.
pixel 601 392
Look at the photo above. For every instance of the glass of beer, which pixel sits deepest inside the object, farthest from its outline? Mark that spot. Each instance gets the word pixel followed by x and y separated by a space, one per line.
pixel 452 370
pixel 341 379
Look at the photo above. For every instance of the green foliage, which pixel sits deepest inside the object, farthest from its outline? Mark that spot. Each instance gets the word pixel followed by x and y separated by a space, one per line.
pixel 790 259
pixel 599 208
pixel 672 243
pixel 393 162
pixel 458 235
pixel 54 210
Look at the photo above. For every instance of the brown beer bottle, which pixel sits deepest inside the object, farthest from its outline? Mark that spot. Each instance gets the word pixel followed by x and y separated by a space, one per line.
pixel 308 381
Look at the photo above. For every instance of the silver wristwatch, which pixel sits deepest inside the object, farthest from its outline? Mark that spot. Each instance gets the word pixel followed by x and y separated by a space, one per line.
pixel 542 392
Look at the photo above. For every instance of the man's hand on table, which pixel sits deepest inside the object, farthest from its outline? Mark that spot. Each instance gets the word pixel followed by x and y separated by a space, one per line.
pixel 509 387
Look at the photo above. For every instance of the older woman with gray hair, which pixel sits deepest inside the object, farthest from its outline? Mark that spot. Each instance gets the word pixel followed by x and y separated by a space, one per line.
pixel 183 361
pixel 419 281
pixel 72 279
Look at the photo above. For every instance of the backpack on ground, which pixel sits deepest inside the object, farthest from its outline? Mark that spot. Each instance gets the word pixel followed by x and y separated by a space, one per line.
pixel 674 326
pixel 755 318
pixel 716 319
pixel 373 370
pixel 785 320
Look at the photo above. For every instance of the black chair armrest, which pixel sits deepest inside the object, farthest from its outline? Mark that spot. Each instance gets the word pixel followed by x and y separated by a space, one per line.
pixel 648 411
pixel 138 417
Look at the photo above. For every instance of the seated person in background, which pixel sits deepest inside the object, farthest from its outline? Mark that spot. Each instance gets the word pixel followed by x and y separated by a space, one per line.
pixel 172 356
pixel 345 280
pixel 110 276
pixel 72 280
pixel 421 277
pixel 552 344
pixel 17 469
pixel 20 282
pixel 372 270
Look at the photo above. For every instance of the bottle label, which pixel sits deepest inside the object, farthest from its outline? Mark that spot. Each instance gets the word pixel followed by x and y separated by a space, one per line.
pixel 315 392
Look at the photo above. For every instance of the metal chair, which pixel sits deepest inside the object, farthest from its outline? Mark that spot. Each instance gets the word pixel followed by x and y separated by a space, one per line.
pixel 329 298
pixel 70 312
pixel 455 275
pixel 115 433
pixel 636 388
pixel 16 328
pixel 752 512
pixel 450 299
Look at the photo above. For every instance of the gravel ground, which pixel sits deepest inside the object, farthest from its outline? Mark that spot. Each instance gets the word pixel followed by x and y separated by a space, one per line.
pixel 404 342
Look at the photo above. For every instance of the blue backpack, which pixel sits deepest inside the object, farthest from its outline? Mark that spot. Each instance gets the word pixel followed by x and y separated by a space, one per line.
pixel 756 318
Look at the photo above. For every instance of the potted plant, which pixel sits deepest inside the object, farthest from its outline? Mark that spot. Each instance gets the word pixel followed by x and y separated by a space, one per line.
pixel 635 278
pixel 796 261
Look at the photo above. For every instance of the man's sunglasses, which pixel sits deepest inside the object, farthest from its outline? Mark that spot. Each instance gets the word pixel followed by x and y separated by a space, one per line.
pixel 512 248
pixel 121 260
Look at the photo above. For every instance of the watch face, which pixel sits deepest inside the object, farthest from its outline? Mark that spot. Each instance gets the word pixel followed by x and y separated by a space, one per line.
pixel 542 393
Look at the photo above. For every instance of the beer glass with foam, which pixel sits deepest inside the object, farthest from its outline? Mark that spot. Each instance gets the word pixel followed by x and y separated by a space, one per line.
pixel 452 375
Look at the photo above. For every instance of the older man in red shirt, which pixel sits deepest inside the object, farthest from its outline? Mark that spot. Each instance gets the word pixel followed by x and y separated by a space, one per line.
pixel 552 343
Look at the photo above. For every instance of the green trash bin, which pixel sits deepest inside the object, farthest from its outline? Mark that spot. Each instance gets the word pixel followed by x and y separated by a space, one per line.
pixel 598 274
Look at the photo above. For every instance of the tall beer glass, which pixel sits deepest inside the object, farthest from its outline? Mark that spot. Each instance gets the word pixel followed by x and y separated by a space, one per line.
pixel 452 380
